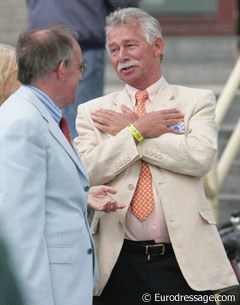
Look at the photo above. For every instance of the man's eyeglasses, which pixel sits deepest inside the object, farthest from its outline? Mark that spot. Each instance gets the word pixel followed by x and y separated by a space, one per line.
pixel 82 67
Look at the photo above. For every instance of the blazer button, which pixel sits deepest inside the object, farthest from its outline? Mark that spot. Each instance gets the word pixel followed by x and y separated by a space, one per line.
pixel 90 251
pixel 130 186
pixel 86 188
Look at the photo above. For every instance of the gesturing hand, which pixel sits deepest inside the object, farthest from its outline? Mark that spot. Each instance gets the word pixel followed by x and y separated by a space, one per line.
pixel 111 121
pixel 100 200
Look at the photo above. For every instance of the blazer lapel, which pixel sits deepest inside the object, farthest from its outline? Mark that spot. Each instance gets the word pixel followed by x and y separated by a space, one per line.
pixel 70 150
pixel 164 98
pixel 123 98
pixel 53 128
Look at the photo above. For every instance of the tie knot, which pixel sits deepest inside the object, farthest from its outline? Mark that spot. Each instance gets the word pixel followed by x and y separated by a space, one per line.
pixel 64 127
pixel 141 96
pixel 63 122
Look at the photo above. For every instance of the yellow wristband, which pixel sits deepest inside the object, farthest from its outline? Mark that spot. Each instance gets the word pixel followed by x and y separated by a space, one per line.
pixel 137 135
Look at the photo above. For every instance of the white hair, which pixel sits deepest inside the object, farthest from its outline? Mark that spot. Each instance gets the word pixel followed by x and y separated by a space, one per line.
pixel 149 25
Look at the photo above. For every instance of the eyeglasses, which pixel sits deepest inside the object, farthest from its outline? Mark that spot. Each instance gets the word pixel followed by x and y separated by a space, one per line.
pixel 82 67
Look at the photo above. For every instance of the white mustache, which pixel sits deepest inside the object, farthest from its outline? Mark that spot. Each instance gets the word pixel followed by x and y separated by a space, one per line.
pixel 127 64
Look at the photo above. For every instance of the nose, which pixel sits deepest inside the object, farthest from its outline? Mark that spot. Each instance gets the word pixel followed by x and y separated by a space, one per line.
pixel 123 54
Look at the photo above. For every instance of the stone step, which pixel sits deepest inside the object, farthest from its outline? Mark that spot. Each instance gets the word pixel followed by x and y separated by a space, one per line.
pixel 233 114
pixel 228 203
pixel 197 49
pixel 232 182
pixel 223 138
pixel 229 194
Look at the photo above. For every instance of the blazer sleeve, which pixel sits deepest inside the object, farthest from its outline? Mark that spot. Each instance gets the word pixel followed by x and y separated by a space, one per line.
pixel 22 207
pixel 103 155
pixel 193 152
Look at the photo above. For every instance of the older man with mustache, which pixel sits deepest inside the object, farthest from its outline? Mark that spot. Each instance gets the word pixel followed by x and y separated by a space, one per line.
pixel 153 142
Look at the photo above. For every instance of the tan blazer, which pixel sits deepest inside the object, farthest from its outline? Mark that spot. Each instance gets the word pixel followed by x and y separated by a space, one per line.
pixel 177 163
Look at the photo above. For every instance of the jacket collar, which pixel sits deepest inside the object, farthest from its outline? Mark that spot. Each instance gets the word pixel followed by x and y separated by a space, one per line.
pixel 163 100
pixel 53 127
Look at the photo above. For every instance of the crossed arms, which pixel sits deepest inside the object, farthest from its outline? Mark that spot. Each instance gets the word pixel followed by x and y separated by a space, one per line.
pixel 107 148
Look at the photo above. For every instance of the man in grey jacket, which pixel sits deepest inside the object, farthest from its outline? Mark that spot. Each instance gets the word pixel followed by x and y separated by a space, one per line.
pixel 87 18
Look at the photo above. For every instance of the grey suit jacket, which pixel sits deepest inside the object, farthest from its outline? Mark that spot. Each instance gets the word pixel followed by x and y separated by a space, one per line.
pixel 43 195
pixel 178 164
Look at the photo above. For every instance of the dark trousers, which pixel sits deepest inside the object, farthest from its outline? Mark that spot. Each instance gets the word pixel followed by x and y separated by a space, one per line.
pixel 149 279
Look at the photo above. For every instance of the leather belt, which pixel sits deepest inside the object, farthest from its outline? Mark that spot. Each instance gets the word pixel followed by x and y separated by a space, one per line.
pixel 147 247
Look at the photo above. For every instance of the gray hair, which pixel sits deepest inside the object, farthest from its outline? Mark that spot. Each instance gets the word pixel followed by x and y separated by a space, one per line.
pixel 149 26
pixel 40 51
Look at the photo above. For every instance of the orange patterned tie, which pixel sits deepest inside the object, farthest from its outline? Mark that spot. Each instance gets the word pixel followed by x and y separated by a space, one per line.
pixel 142 202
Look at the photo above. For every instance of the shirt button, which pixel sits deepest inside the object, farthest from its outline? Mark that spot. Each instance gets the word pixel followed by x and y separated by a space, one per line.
pixel 90 251
pixel 86 188
pixel 130 186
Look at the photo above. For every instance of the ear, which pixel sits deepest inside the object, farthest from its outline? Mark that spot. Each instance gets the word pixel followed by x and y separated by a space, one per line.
pixel 60 70
pixel 158 46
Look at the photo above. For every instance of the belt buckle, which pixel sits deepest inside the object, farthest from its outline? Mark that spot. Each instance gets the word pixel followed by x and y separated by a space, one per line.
pixel 162 250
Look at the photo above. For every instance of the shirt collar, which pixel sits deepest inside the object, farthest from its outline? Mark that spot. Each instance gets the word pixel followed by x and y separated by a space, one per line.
pixel 152 90
pixel 51 106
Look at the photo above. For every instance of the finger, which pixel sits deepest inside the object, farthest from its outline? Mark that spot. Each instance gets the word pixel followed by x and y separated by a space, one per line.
pixel 108 111
pixel 99 119
pixel 171 110
pixel 109 189
pixel 102 127
pixel 98 125
pixel 101 115
pixel 170 115
pixel 173 115
pixel 116 206
pixel 112 206
pixel 125 109
pixel 121 206
pixel 169 122
pixel 106 208
pixel 105 112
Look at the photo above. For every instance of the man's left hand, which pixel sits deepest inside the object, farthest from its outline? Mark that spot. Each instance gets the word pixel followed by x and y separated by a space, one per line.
pixel 99 198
